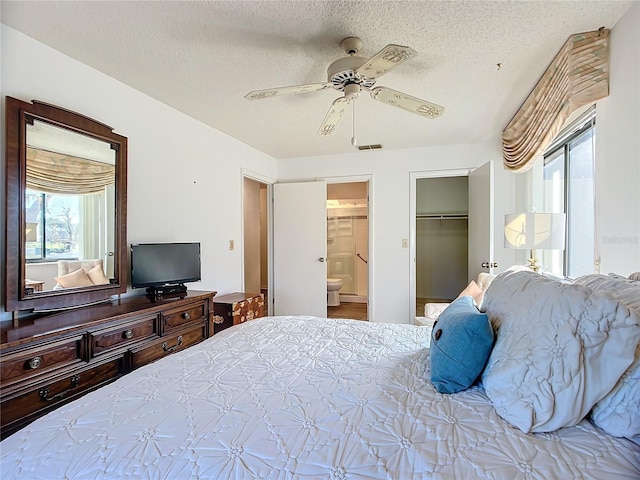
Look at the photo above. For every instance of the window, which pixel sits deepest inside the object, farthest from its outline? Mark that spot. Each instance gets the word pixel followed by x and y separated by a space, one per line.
pixel 64 226
pixel 568 186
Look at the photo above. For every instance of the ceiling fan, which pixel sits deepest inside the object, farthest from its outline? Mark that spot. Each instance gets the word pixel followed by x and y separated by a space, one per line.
pixel 354 74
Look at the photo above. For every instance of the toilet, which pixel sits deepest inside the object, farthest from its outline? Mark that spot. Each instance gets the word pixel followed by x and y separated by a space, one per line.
pixel 333 291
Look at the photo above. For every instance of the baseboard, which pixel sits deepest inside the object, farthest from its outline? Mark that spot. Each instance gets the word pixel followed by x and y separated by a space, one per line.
pixel 353 299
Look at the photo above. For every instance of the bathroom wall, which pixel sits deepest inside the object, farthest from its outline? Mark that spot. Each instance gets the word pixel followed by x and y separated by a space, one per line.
pixel 347 235
pixel 251 207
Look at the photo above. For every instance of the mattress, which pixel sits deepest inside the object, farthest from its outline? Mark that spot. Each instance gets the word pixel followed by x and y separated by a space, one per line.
pixel 301 398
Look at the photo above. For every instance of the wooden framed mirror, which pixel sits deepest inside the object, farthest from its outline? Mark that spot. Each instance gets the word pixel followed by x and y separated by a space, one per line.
pixel 66 187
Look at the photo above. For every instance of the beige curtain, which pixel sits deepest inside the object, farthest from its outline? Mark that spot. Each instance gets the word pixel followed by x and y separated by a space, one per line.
pixel 51 172
pixel 578 75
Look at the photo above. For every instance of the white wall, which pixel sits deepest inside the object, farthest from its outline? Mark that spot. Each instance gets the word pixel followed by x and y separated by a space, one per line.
pixel 391 222
pixel 618 152
pixel 184 178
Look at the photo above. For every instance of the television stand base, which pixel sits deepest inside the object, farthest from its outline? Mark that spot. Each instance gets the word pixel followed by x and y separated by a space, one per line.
pixel 166 290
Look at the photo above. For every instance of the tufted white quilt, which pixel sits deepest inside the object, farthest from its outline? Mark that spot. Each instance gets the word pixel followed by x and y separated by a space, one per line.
pixel 301 398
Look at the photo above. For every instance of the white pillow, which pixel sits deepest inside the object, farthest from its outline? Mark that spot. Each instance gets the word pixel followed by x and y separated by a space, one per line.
pixel 618 413
pixel 433 310
pixel 560 348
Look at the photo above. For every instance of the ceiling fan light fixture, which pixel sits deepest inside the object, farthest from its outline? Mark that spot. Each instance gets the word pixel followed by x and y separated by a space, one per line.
pixel 351 91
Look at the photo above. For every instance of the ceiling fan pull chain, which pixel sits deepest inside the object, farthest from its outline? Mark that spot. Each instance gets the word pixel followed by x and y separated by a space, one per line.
pixel 353 137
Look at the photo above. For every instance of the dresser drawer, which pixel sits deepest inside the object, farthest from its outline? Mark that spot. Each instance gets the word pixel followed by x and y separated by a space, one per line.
pixel 109 339
pixel 168 344
pixel 179 318
pixel 41 358
pixel 23 405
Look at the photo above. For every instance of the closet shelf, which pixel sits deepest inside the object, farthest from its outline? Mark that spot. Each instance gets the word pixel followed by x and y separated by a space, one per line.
pixel 444 216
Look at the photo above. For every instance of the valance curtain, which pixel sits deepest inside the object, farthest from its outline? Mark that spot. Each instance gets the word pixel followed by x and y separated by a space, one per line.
pixel 51 172
pixel 577 76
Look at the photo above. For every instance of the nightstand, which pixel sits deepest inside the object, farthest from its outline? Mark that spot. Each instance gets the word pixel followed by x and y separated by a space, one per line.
pixel 235 308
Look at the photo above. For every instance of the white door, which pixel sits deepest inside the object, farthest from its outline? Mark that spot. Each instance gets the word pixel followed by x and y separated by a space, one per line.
pixel 481 220
pixel 300 248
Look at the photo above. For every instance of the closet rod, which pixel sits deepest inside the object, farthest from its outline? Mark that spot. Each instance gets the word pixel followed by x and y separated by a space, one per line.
pixel 445 216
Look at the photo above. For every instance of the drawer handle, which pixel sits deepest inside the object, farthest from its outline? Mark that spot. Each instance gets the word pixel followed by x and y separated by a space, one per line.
pixel 35 362
pixel 127 334
pixel 167 348
pixel 44 391
pixel 217 319
pixel 186 315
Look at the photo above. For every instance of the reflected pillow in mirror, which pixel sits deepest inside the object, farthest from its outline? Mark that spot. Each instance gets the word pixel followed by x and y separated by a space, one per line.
pixel 77 278
pixel 97 276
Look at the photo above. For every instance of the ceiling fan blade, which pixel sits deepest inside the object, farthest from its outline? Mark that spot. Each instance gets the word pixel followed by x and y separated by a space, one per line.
pixel 333 116
pixel 406 102
pixel 389 57
pixel 273 92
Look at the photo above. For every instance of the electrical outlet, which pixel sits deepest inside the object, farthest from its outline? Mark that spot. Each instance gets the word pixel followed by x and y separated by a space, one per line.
pixel 232 245
pixel 405 243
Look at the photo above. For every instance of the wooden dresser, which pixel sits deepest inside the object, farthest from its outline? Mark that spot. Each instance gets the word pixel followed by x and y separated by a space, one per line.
pixel 48 361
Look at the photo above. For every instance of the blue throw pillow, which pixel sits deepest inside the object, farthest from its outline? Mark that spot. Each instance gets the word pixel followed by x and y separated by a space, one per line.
pixel 461 342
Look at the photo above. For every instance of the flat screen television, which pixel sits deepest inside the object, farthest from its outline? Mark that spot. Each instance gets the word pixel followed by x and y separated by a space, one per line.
pixel 155 265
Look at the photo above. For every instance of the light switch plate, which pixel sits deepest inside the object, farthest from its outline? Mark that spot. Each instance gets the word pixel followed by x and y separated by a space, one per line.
pixel 405 243
pixel 232 244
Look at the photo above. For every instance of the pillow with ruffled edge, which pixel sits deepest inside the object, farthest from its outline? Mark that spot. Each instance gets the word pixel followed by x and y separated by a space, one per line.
pixel 461 341
pixel 618 413
pixel 559 349
pixel 77 278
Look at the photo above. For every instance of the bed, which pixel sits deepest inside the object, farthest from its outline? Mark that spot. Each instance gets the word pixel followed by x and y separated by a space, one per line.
pixel 302 397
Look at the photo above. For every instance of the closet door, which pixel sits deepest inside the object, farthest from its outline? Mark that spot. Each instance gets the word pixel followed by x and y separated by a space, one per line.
pixel 300 248
pixel 481 220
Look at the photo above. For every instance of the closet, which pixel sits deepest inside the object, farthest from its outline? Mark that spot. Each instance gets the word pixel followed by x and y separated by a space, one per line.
pixel 441 238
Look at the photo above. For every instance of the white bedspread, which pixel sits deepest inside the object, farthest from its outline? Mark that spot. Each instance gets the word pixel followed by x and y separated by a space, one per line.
pixel 300 397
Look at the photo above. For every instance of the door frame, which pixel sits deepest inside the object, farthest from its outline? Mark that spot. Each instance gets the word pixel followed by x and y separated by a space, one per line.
pixel 245 173
pixel 370 261
pixel 414 177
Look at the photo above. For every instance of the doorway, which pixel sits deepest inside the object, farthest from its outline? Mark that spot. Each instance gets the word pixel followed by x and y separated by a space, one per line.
pixel 442 239
pixel 348 249
pixel 439 212
pixel 256 237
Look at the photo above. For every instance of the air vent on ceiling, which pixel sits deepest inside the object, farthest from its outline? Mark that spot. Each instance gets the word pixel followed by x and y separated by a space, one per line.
pixel 375 146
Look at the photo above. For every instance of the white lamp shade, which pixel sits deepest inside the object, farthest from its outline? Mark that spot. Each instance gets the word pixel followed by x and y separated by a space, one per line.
pixel 544 231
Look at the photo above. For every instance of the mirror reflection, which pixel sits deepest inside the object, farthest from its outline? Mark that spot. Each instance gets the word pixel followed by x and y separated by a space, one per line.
pixel 69 226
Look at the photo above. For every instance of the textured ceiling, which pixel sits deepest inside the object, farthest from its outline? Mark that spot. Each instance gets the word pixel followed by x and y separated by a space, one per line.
pixel 202 57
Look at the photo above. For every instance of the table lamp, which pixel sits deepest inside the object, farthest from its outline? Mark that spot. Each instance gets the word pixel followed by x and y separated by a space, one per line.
pixel 533 231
